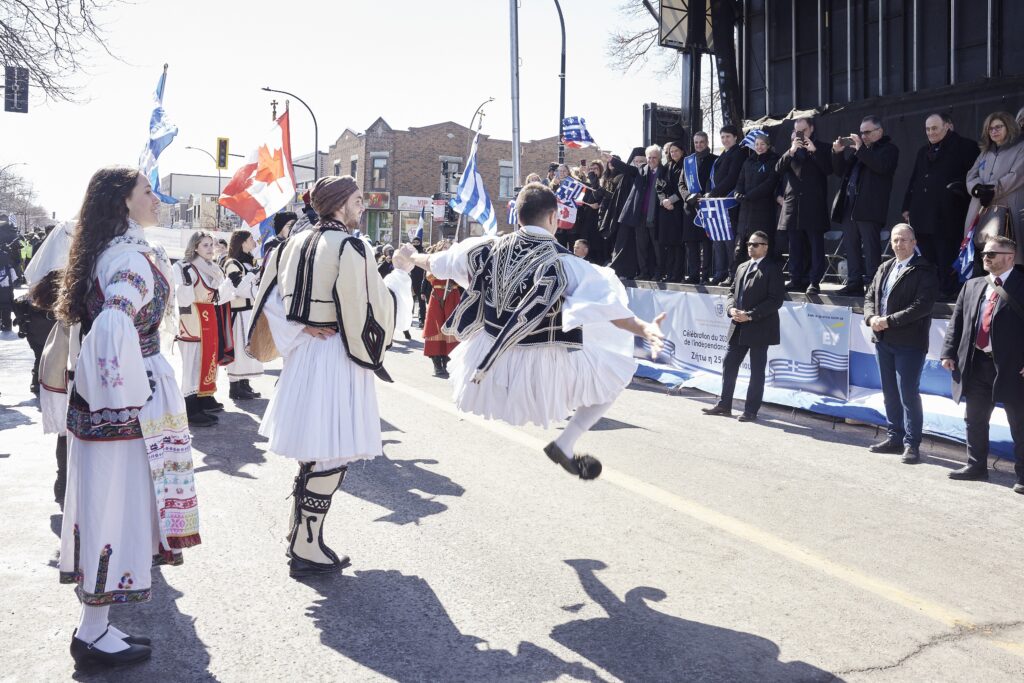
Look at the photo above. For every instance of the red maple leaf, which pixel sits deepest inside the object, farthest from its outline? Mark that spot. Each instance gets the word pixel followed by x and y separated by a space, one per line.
pixel 269 167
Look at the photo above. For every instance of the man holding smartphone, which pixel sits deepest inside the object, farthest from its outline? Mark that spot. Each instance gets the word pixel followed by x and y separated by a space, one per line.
pixel 866 163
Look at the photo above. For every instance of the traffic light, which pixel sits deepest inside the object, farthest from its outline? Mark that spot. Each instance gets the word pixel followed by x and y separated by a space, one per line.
pixel 16 89
pixel 222 152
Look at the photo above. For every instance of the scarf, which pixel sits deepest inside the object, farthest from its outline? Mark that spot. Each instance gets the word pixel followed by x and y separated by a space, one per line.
pixel 211 272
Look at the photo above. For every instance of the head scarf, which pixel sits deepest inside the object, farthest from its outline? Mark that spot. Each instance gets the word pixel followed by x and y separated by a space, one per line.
pixel 331 192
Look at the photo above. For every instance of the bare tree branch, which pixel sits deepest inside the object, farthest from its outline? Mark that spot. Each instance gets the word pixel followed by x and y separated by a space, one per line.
pixel 51 38
pixel 637 43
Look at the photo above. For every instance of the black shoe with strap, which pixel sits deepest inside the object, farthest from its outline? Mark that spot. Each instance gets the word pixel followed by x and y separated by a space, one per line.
pixel 583 466
pixel 88 657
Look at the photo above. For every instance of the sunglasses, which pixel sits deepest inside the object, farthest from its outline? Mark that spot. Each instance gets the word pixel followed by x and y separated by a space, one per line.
pixel 757 244
pixel 993 254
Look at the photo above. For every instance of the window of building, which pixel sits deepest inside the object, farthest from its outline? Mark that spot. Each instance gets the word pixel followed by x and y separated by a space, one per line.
pixel 337 168
pixel 379 225
pixel 506 185
pixel 352 168
pixel 380 173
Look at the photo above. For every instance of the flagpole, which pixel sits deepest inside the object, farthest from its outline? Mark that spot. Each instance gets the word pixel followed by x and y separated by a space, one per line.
pixel 514 56
pixel 561 100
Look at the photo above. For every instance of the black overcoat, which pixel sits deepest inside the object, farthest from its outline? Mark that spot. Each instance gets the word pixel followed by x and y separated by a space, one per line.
pixel 935 208
pixel 757 183
pixel 804 178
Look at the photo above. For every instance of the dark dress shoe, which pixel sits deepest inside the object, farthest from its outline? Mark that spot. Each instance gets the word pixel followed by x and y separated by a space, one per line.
pixel 911 455
pixel 691 281
pixel 202 419
pixel 794 286
pixel 970 473
pixel 209 404
pixel 717 410
pixel 1018 488
pixel 887 446
pixel 88 657
pixel 813 290
pixel 747 417
pixel 727 282
pixel 299 568
pixel 851 290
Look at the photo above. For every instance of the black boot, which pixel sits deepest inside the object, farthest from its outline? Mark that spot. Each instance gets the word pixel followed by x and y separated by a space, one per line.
pixel 439 369
pixel 208 404
pixel 313 493
pixel 239 391
pixel 252 392
pixel 60 483
pixel 196 416
pixel 444 363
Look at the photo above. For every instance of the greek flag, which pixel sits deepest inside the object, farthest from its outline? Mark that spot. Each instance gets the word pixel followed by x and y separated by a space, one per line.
pixel 570 190
pixel 161 133
pixel 513 216
pixel 418 233
pixel 748 139
pixel 471 197
pixel 964 263
pixel 713 216
pixel 575 133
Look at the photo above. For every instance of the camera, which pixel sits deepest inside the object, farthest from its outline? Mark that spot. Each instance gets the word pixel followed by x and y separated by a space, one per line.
pixel 846 142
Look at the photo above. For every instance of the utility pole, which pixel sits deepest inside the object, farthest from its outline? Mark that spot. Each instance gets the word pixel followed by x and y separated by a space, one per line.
pixel 561 101
pixel 514 55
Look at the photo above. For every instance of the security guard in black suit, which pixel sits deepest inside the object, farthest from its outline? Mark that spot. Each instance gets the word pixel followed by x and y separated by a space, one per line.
pixel 983 350
pixel 755 297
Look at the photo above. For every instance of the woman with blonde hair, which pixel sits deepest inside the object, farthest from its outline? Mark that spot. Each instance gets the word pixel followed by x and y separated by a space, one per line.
pixel 997 177
pixel 204 329
pixel 131 499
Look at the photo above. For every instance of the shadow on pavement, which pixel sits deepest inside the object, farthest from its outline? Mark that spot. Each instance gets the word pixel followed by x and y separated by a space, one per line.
pixel 392 484
pixel 356 614
pixel 178 653
pixel 230 445
pixel 637 643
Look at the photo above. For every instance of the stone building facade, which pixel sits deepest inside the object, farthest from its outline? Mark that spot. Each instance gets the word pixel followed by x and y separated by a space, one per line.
pixel 402 171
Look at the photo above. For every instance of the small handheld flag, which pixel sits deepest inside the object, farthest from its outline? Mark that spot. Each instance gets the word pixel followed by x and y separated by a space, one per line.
pixel 513 216
pixel 418 234
pixel 575 133
pixel 570 190
pixel 713 216
pixel 964 263
pixel 748 139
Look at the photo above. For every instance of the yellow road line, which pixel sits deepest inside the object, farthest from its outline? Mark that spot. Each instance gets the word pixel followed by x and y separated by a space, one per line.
pixel 947 616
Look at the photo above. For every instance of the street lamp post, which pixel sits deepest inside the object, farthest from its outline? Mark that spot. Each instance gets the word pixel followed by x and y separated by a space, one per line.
pixel 316 132
pixel 214 159
pixel 561 101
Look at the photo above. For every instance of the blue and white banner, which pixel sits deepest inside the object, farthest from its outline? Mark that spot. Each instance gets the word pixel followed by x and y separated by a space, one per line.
pixel 575 133
pixel 570 190
pixel 713 216
pixel 161 133
pixel 690 168
pixel 513 216
pixel 826 362
pixel 471 197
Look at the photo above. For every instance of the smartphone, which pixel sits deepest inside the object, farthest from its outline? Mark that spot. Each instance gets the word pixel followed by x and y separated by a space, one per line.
pixel 800 135
pixel 846 142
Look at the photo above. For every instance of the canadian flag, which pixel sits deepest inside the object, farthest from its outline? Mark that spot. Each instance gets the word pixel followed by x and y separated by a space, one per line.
pixel 266 183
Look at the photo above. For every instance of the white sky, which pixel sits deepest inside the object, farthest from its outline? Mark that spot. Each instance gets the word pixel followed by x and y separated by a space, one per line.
pixel 413 62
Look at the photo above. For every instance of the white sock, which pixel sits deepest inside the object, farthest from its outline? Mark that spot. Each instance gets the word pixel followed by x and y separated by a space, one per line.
pixel 582 420
pixel 92 626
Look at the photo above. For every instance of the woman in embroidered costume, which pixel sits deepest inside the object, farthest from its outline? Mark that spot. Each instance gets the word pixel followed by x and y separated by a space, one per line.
pixel 323 306
pixel 442 299
pixel 543 332
pixel 204 334
pixel 131 500
pixel 241 269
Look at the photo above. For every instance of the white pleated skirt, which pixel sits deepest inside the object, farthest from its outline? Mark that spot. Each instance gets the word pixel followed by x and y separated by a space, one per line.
pixel 325 406
pixel 54 407
pixel 244 365
pixel 539 384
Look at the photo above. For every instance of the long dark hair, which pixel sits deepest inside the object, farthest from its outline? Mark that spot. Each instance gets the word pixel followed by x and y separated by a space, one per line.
pixel 103 216
pixel 235 250
pixel 43 294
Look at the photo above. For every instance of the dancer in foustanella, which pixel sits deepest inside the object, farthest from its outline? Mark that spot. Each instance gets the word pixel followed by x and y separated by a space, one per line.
pixel 323 306
pixel 131 499
pixel 536 345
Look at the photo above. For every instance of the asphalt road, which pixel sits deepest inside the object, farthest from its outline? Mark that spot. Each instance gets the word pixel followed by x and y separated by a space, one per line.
pixel 709 550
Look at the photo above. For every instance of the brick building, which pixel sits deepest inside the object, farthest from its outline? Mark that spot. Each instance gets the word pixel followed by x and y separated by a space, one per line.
pixel 401 171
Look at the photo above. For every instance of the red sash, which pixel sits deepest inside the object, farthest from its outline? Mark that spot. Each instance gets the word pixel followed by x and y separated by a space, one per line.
pixel 208 344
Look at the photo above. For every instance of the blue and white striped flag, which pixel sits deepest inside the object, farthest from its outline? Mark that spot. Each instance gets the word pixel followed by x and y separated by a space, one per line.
pixel 570 190
pixel 713 216
pixel 418 233
pixel 513 215
pixel 748 139
pixel 471 197
pixel 964 263
pixel 575 133
pixel 161 133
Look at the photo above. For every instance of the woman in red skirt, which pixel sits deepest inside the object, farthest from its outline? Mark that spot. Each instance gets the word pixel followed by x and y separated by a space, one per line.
pixel 442 297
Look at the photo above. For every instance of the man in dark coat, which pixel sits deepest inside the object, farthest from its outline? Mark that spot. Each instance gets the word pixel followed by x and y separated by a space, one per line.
pixel 936 199
pixel 755 191
pixel 804 171
pixel 755 297
pixel 724 176
pixel 984 352
pixel 898 309
pixel 417 285
pixel 640 212
pixel 866 163
pixel 695 238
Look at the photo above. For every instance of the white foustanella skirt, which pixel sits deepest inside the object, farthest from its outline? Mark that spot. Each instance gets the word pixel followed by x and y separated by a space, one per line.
pixel 325 406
